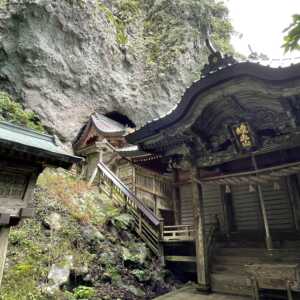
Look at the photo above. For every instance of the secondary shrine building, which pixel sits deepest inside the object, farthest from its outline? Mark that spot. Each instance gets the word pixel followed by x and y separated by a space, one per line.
pixel 231 149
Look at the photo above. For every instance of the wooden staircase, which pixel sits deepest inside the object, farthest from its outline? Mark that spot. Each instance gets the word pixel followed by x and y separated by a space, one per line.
pixel 174 245
pixel 147 225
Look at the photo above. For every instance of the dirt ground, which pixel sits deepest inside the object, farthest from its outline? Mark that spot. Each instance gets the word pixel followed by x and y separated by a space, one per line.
pixel 190 293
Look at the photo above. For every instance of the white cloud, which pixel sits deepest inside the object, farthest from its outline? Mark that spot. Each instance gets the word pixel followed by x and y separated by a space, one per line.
pixel 261 22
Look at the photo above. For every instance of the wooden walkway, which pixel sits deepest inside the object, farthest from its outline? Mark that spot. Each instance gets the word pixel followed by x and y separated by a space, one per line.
pixel 190 292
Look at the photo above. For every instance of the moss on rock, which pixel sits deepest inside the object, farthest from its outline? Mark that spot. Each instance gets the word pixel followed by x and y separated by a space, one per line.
pixel 83 242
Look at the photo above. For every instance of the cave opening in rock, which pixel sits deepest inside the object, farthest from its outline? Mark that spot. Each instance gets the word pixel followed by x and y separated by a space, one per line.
pixel 120 118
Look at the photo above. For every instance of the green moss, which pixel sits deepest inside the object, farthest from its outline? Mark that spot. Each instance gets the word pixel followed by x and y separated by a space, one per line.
pixel 84 292
pixel 13 112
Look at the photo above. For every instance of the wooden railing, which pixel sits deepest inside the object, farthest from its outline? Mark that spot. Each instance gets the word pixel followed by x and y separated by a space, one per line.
pixel 147 224
pixel 178 233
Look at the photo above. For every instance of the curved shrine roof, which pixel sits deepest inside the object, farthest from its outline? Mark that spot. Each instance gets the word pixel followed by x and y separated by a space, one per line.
pixel 275 70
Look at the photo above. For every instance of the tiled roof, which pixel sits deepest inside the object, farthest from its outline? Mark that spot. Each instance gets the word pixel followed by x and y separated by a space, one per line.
pixel 33 141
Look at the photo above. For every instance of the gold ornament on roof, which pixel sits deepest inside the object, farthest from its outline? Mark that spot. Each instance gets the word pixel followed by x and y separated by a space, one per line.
pixel 243 134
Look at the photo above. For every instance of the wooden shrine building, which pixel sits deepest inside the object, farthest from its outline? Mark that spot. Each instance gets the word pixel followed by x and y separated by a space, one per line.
pixel 24 155
pixel 233 145
pixel 102 139
pixel 97 140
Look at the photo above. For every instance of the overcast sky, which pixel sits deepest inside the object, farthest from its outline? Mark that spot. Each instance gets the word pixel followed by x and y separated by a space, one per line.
pixel 261 23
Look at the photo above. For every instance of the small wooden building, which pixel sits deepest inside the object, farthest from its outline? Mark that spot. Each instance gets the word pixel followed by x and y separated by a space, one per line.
pixel 24 155
pixel 97 140
pixel 102 140
pixel 234 146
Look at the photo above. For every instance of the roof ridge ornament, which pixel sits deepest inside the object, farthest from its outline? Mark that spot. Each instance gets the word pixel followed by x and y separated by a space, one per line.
pixel 216 60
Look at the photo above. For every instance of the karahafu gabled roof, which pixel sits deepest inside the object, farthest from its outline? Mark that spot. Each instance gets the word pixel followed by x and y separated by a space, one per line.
pixel 103 125
pixel 107 125
pixel 223 70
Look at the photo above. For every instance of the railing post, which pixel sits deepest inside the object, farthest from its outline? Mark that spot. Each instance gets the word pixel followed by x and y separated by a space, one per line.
pixel 140 223
pixel 111 189
pixel 160 244
pixel 4 233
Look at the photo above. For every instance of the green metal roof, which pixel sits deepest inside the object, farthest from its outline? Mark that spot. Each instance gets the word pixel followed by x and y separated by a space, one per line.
pixel 33 142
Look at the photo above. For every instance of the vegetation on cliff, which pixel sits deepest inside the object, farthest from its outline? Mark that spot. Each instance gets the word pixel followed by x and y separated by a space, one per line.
pixel 79 246
pixel 13 112
pixel 168 26
pixel 72 57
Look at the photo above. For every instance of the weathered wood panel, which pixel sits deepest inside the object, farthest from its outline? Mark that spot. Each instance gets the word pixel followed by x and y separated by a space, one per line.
pixel 278 206
pixel 246 208
pixel 186 198
pixel 212 205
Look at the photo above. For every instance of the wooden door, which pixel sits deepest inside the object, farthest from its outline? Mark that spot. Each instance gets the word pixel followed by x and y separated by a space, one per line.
pixel 278 205
pixel 246 207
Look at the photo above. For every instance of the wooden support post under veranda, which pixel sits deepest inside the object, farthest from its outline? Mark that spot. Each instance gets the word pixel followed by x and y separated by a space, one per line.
pixel 201 255
pixel 4 233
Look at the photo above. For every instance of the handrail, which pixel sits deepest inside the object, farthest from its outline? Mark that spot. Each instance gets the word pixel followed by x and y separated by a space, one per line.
pixel 178 233
pixel 145 210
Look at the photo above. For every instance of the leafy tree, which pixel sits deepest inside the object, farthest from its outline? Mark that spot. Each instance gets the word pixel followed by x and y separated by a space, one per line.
pixel 292 39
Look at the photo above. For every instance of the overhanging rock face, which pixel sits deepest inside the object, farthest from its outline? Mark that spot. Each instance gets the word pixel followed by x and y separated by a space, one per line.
pixel 64 61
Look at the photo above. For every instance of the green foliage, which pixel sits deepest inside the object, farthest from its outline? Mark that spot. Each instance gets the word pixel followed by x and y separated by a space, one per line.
pixel 122 221
pixel 84 292
pixel 13 112
pixel 20 281
pixel 3 3
pixel 291 40
pixel 105 260
pixel 126 10
pixel 172 25
pixel 114 274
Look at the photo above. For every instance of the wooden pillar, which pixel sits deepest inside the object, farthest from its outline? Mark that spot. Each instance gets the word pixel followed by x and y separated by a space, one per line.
pixel 268 237
pixel 160 244
pixel 293 200
pixel 4 232
pixel 176 198
pixel 201 255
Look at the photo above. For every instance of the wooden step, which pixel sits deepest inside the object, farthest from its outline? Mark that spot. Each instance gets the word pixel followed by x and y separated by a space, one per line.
pixel 230 269
pixel 181 258
pixel 231 284
pixel 246 260
pixel 256 251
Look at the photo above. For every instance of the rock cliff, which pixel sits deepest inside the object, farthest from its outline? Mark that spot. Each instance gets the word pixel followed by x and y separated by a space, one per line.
pixel 65 59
